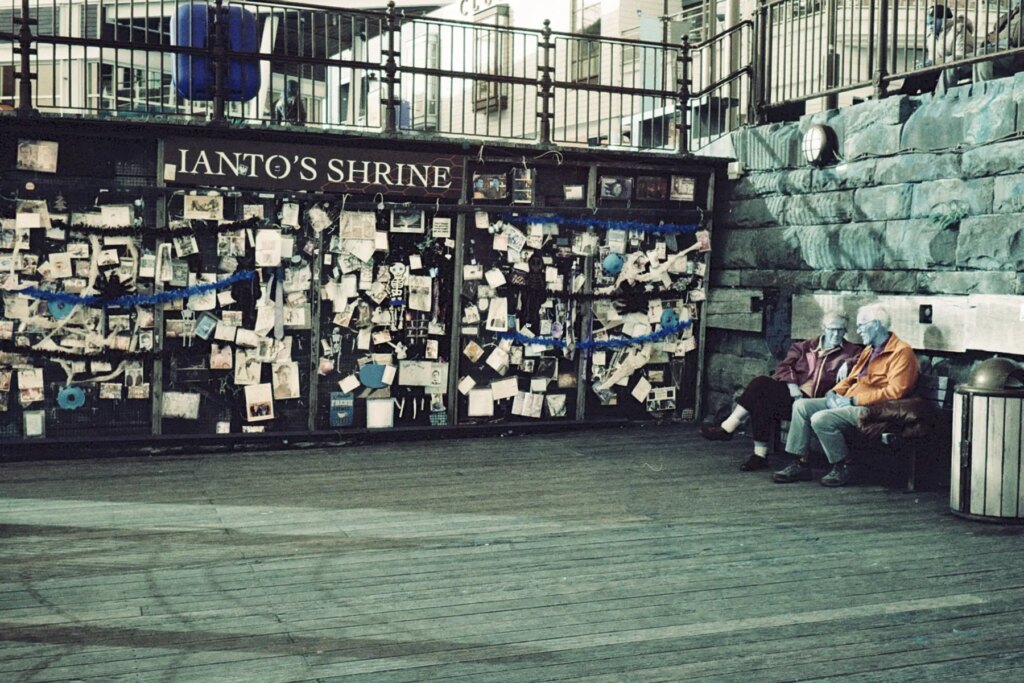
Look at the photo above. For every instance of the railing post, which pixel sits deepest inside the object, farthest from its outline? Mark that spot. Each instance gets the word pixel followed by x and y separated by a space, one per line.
pixel 220 66
pixel 26 51
pixel 546 85
pixel 832 55
pixel 761 61
pixel 683 62
pixel 390 102
pixel 883 50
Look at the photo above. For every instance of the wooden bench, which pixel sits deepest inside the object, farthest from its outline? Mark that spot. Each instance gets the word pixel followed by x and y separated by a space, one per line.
pixel 911 451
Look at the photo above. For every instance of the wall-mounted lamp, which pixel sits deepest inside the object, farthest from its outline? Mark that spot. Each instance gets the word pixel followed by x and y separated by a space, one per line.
pixel 819 145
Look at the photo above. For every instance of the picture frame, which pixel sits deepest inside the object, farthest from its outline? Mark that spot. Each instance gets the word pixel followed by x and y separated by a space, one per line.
pixel 652 188
pixel 682 188
pixel 615 187
pixel 410 221
pixel 490 186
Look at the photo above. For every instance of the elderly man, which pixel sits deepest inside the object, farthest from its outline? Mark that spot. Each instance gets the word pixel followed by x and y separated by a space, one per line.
pixel 811 368
pixel 886 370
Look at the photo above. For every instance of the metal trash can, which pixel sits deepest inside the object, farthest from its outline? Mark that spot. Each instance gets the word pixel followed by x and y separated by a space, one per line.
pixel 986 473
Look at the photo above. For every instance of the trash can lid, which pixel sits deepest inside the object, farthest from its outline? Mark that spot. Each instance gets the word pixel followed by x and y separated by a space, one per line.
pixel 996 374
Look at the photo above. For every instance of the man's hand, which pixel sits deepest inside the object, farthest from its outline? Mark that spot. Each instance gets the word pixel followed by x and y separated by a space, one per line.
pixel 844 370
pixel 794 390
pixel 834 400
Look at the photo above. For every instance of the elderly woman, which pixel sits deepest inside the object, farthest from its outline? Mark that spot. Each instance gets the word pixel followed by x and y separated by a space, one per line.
pixel 809 370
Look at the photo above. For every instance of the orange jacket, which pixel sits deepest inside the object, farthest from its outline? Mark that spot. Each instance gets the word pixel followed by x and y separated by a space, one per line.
pixel 891 375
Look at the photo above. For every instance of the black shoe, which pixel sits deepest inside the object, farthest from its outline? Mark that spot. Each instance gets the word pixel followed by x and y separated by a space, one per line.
pixel 794 471
pixel 713 432
pixel 840 475
pixel 754 463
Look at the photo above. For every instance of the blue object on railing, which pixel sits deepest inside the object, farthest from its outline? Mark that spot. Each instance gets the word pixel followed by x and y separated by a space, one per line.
pixel 194 25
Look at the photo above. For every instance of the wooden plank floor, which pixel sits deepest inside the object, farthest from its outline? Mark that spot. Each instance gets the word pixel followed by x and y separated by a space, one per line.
pixel 617 555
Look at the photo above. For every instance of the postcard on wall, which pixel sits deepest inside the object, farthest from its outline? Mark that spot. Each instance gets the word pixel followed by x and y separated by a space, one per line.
pixel 252 211
pixel 259 402
pixel 682 188
pixel 556 404
pixel 30 386
pixel 481 403
pixel 37 155
pixel 111 391
pixel 285 377
pixel 203 207
pixel 221 357
pixel 139 391
pixel 615 187
pixel 573 192
pixel 342 409
pixel 408 221
pixel 290 215
pixel 181 405
pixel 380 413
pixel 420 289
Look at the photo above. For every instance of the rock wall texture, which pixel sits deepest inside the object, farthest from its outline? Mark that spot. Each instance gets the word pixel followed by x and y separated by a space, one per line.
pixel 927 199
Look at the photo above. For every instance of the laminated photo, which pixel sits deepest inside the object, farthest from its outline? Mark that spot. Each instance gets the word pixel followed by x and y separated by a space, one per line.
pixel 37 155
pixel 489 186
pixel 181 405
pixel 111 391
pixel 248 367
pixel 615 187
pixel 139 391
pixel 682 188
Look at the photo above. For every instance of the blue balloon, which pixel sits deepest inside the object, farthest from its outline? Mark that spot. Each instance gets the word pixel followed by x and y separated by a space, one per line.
pixel 70 398
pixel 372 376
pixel 669 318
pixel 612 264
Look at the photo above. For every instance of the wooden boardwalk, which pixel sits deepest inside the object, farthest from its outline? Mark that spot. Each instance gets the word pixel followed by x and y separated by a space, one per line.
pixel 615 555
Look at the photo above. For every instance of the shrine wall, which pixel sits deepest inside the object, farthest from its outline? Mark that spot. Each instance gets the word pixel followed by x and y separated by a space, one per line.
pixel 921 210
pixel 192 286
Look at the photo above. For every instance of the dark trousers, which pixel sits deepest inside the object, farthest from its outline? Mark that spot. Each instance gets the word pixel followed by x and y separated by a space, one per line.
pixel 767 400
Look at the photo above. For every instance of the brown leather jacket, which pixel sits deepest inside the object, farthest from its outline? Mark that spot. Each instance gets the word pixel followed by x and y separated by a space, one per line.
pixel 803 364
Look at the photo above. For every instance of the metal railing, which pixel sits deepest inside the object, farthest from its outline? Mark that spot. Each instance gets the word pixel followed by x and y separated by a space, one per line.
pixel 822 48
pixel 368 71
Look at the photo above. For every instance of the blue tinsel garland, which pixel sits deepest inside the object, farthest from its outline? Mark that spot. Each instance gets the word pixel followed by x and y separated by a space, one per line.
pixel 130 300
pixel 587 222
pixel 591 344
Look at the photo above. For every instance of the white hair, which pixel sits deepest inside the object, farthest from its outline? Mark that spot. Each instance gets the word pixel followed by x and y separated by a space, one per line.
pixel 838 318
pixel 875 312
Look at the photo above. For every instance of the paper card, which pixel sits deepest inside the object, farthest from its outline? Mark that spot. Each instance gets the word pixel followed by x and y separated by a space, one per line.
pixel 350 383
pixel 363 339
pixel 500 242
pixel 221 332
pixel 361 249
pixel 472 272
pixel 420 373
pixel 181 405
pixel 388 376
pixel 221 357
pixel 471 315
pixel 498 360
pixel 268 248
pixel 539 384
pixel 380 242
pixel 34 423
pixel 117 215
pixel 37 155
pixel 252 211
pixel 481 403
pixel 203 207
pixel 357 225
pixel 465 384
pixel 505 388
pixel 495 278
pixel 381 336
pixel 497 315
pixel 290 215
pixel 420 293
pixel 247 338
pixel 535 237
pixel 641 390
pixel 380 413
pixel 441 227
pixel 556 405
pixel 248 367
pixel 259 402
pixel 60 265
pixel 481 220
pixel 24 221
pixel 473 351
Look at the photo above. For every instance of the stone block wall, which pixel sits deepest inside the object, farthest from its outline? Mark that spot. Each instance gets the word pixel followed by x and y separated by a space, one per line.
pixel 928 199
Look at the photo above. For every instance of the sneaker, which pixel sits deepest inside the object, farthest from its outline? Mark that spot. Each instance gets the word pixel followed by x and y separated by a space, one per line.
pixel 713 432
pixel 794 471
pixel 754 463
pixel 840 475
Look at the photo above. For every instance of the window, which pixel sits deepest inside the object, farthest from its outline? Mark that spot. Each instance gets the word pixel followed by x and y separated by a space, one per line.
pixel 586 54
pixel 493 58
